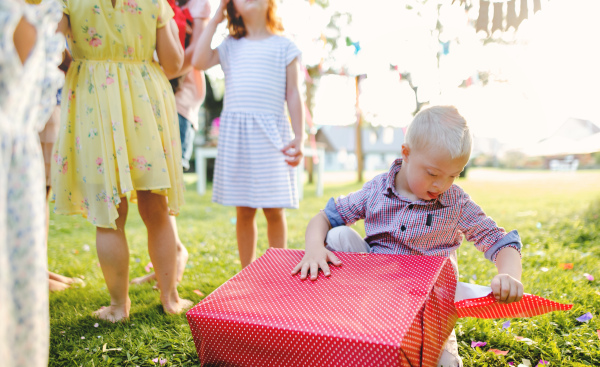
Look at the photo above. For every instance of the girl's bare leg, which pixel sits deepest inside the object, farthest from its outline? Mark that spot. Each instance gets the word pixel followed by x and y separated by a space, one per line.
pixel 276 227
pixel 163 251
pixel 182 258
pixel 113 254
pixel 247 234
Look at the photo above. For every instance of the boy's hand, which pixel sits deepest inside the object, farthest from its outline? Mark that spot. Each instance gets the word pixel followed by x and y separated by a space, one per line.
pixel 313 260
pixel 507 289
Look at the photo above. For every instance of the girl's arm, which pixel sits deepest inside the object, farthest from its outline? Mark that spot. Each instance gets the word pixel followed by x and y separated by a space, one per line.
pixel 205 57
pixel 24 38
pixel 293 150
pixel 197 28
pixel 168 48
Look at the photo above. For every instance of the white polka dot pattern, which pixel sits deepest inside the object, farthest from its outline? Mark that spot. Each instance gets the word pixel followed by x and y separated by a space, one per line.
pixel 488 308
pixel 374 310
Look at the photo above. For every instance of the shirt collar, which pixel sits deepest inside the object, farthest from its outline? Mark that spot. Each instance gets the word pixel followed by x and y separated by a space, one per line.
pixel 448 198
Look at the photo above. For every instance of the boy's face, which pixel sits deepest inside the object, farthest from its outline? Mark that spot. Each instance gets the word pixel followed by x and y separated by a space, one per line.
pixel 429 172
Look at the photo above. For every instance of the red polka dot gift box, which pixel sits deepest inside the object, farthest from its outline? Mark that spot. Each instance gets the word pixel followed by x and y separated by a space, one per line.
pixel 374 310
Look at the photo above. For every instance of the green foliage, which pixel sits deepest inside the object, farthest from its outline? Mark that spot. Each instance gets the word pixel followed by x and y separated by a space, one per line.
pixel 556 214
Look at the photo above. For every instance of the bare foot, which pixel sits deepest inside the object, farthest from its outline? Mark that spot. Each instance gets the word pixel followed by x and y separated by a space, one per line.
pixel 57 286
pixel 175 306
pixel 114 313
pixel 144 279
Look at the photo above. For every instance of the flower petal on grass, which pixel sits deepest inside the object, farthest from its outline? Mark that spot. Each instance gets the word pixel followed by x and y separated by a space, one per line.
pixel 525 340
pixel 506 325
pixel 511 363
pixel 544 269
pixel 526 362
pixel 198 292
pixel 148 267
pixel 499 352
pixel 598 331
pixel 589 277
pixel 163 361
pixel 543 363
pixel 585 317
pixel 96 325
pixel 478 344
pixel 155 360
pixel 566 266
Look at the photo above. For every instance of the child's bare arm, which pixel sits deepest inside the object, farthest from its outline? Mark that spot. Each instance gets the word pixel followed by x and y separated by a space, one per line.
pixel 507 286
pixel 204 56
pixel 316 255
pixel 293 150
pixel 168 48
pixel 197 28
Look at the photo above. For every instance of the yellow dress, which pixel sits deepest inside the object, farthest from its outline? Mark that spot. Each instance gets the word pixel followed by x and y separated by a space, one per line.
pixel 119 128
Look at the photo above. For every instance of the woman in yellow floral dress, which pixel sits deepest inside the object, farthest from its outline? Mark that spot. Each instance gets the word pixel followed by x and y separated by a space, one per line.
pixel 119 134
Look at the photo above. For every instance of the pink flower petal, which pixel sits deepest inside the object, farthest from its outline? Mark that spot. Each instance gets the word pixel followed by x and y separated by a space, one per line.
pixel 163 361
pixel 499 352
pixel 506 325
pixel 198 292
pixel 148 267
pixel 543 363
pixel 589 277
pixel 155 360
pixel 478 344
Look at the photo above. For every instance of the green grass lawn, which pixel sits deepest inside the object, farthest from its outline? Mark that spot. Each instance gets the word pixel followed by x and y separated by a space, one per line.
pixel 556 214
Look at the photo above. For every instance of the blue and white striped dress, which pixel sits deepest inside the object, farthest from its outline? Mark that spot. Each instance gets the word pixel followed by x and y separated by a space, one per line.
pixel 250 168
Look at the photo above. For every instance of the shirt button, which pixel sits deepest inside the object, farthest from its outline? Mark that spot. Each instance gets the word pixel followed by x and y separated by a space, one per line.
pixel 410 206
pixel 403 228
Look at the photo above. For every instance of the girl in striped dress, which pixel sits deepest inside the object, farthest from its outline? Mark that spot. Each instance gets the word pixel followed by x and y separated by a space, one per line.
pixel 257 151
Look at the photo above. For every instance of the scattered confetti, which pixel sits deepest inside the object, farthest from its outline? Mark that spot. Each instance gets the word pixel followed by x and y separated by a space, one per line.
pixel 526 362
pixel 544 269
pixel 598 331
pixel 566 266
pixel 148 267
pixel 163 361
pixel 86 247
pixel 478 344
pixel 543 363
pixel 99 336
pixel 83 337
pixel 104 349
pixel 525 340
pixel 585 317
pixel 499 352
pixel 96 325
pixel 511 363
pixel 198 293
pixel 506 325
pixel 474 277
pixel 589 277
pixel 155 360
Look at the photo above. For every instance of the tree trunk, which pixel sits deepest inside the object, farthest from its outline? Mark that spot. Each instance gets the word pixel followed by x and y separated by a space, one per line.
pixel 483 19
pixel 511 15
pixel 498 17
pixel 358 145
pixel 523 12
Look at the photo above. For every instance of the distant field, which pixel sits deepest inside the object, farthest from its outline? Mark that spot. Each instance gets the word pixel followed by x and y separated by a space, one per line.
pixel 556 213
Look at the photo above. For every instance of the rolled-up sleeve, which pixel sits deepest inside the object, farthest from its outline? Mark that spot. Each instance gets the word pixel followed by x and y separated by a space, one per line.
pixel 352 208
pixel 511 239
pixel 332 214
pixel 484 232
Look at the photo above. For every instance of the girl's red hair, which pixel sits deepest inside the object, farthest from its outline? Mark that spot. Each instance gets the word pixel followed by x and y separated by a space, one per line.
pixel 236 26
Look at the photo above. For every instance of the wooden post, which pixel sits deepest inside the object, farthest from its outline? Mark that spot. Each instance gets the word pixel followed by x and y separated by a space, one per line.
pixel 358 145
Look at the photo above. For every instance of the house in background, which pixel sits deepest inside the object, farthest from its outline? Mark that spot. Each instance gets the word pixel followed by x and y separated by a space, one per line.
pixel 381 145
pixel 570 146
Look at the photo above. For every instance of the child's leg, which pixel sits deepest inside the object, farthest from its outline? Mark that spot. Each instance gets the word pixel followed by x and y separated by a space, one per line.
pixel 450 357
pixel 163 251
pixel 182 258
pixel 276 227
pixel 345 239
pixel 113 254
pixel 247 234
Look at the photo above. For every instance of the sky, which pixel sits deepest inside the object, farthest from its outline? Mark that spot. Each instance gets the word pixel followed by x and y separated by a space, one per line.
pixel 548 73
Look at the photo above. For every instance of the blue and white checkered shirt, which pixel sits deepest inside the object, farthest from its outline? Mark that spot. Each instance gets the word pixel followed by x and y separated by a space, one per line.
pixel 395 225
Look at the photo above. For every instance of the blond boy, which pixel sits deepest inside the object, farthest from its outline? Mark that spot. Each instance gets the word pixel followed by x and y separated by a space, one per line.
pixel 415 209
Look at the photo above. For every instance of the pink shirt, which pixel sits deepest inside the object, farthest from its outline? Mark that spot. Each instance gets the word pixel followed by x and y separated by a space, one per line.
pixel 188 98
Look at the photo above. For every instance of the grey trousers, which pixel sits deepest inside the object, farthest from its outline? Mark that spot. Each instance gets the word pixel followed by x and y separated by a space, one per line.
pixel 345 239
